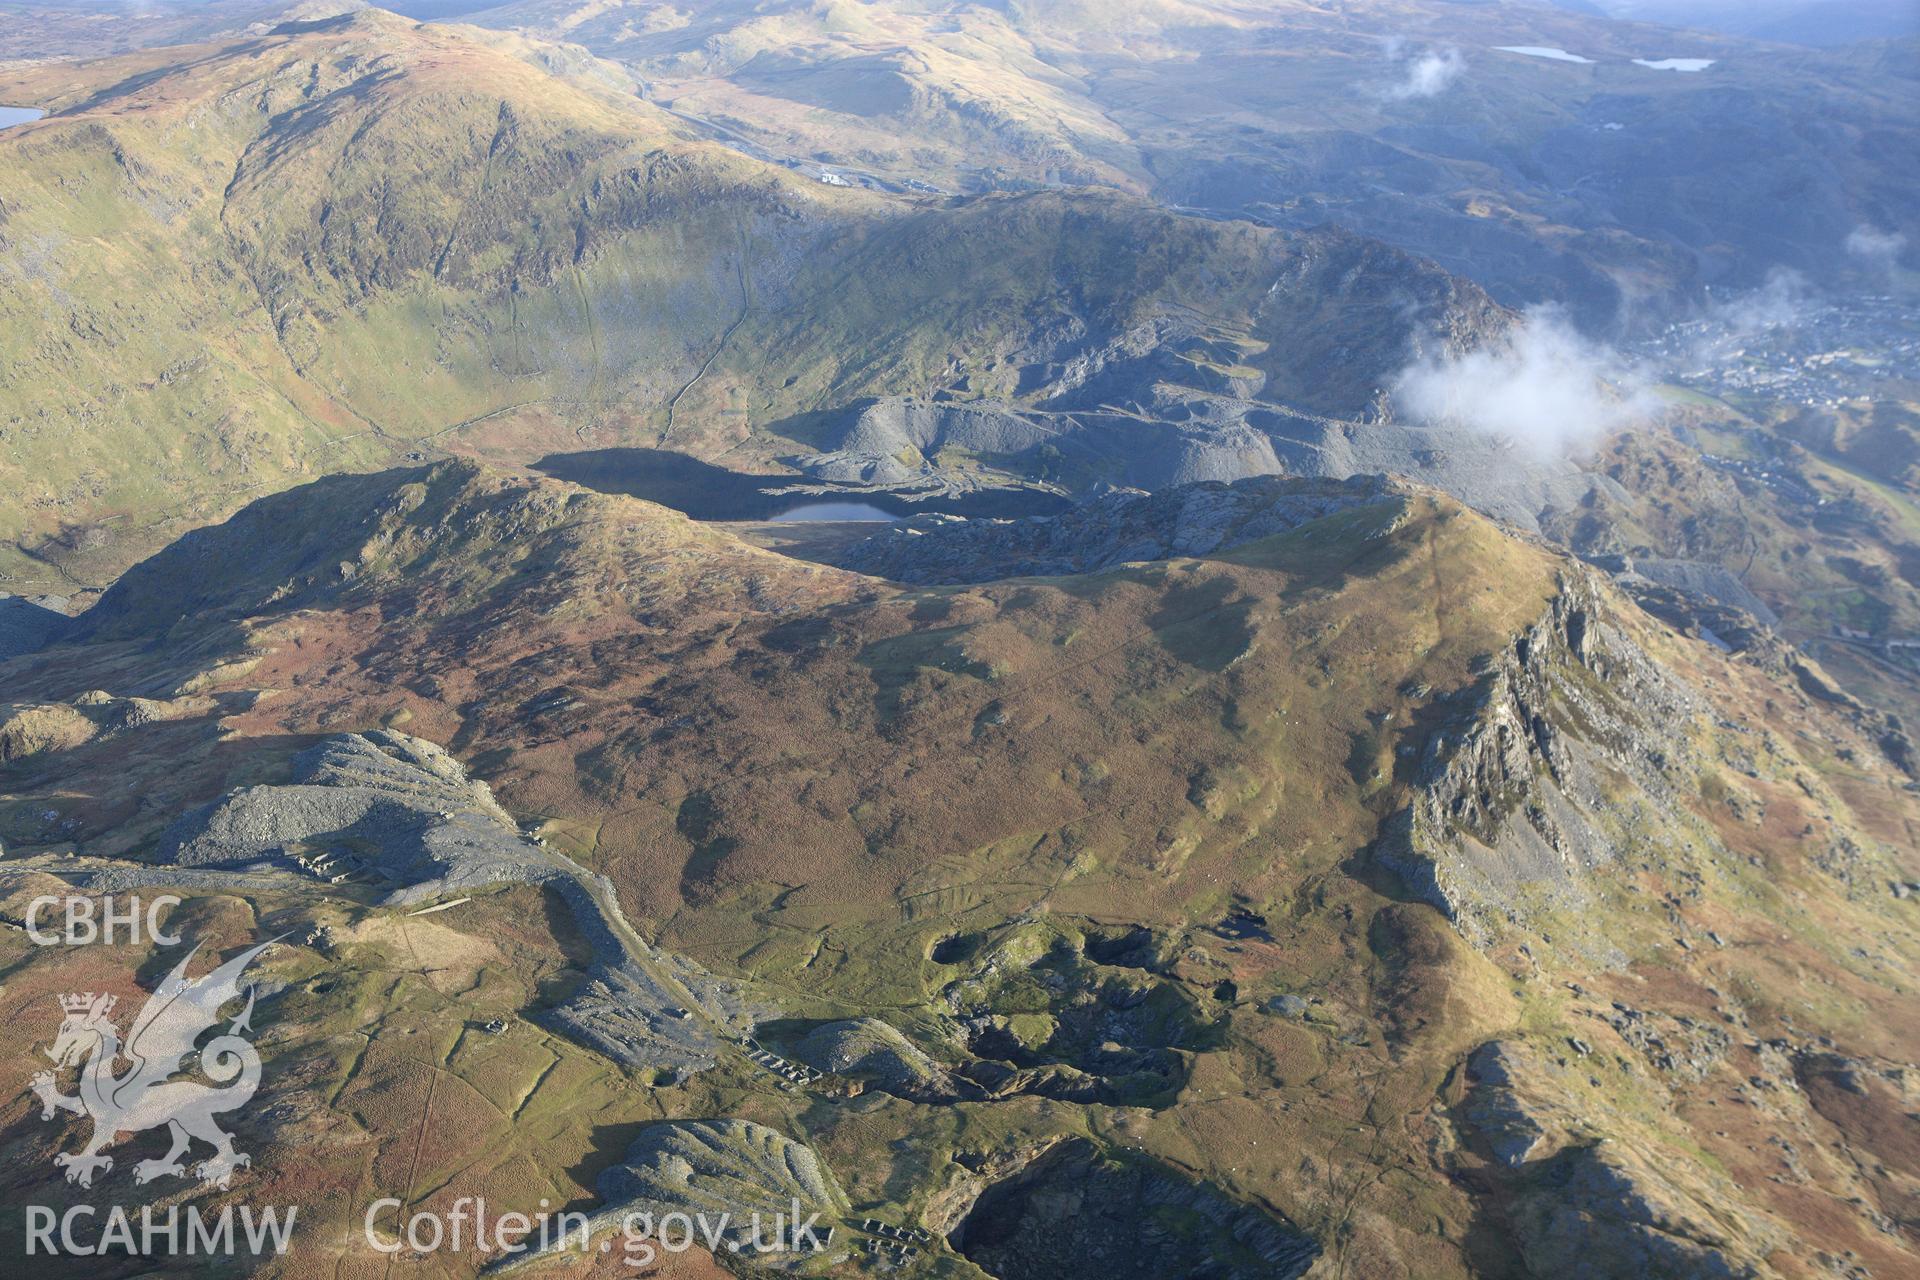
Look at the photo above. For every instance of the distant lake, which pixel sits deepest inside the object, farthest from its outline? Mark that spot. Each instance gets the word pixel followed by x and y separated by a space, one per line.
pixel 1675 64
pixel 1541 51
pixel 18 115
pixel 822 511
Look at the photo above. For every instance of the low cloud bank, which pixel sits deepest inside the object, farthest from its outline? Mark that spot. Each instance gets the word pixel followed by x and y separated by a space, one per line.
pixel 1421 74
pixel 1546 388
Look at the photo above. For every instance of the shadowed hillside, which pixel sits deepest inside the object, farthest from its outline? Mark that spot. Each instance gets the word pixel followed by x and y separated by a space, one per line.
pixel 340 242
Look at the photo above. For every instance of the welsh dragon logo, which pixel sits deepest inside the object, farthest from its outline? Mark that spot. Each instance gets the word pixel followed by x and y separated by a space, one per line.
pixel 144 1095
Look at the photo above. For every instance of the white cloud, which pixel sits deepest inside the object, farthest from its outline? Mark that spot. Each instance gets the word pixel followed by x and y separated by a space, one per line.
pixel 1774 305
pixel 1423 74
pixel 1876 247
pixel 1546 388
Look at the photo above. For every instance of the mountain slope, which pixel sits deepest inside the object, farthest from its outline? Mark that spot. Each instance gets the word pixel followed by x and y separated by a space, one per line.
pixel 313 261
pixel 1388 850
pixel 1614 186
pixel 341 241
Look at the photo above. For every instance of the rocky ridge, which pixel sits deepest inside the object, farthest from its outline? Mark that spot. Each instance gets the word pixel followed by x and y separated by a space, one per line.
pixel 1511 818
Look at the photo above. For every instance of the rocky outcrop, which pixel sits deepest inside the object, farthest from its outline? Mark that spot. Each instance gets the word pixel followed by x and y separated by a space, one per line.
pixel 30 729
pixel 1680 1047
pixel 36 728
pixel 1596 1212
pixel 1575 1205
pixel 1511 816
pixel 1495 1113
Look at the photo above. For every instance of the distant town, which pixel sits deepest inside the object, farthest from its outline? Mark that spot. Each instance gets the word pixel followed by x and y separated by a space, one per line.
pixel 1818 354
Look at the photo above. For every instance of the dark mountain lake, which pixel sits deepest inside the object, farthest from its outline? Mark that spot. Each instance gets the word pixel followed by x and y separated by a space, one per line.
pixel 706 492
pixel 823 511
